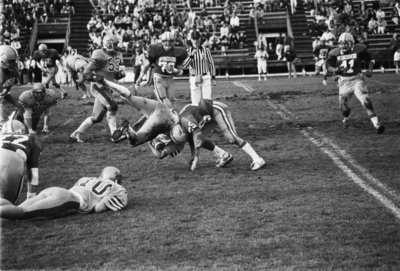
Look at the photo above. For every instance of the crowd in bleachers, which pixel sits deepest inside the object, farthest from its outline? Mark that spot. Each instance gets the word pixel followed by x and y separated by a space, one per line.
pixel 140 23
pixel 360 20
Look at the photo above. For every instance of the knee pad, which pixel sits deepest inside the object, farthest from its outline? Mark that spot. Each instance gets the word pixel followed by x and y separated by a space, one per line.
pixel 368 104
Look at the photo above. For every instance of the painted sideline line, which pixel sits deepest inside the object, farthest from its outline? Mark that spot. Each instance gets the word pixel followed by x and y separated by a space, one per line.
pixel 337 155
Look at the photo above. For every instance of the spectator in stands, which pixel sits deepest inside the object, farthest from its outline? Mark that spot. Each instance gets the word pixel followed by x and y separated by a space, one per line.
pixel 380 14
pixel 394 43
pixel 214 41
pixel 224 31
pixel 16 45
pixel 329 37
pixel 252 14
pixel 234 23
pixel 224 45
pixel 259 14
pixel 395 13
pixel 382 24
pixel 373 26
pixel 290 56
pixel 242 40
pixel 271 51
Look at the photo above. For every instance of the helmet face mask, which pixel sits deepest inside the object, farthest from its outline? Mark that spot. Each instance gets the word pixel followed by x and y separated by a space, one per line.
pixel 167 40
pixel 346 42
pixel 110 43
pixel 39 91
pixel 8 58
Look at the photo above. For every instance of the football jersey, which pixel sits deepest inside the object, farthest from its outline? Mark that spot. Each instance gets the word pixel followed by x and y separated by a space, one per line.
pixel 27 100
pixel 261 55
pixel 105 64
pixel 7 80
pixel 49 58
pixel 321 51
pixel 352 60
pixel 94 190
pixel 171 58
pixel 192 115
pixel 30 145
pixel 75 62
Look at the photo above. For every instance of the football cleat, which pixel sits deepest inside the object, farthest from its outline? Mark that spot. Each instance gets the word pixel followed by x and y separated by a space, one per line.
pixel 226 159
pixel 76 137
pixel 256 165
pixel 120 132
pixel 121 138
pixel 380 129
pixel 324 83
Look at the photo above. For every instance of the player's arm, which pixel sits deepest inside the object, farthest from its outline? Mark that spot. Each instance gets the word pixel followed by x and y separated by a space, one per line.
pixel 33 177
pixel 9 98
pixel 115 202
pixel 198 141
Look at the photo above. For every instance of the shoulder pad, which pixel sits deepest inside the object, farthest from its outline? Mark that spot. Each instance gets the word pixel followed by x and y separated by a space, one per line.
pixel 98 54
pixel 26 98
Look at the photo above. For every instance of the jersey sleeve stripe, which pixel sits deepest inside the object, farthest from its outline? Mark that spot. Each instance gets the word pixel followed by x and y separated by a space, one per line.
pixel 116 203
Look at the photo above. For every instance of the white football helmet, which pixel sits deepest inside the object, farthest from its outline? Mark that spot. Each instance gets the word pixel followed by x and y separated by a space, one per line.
pixel 112 174
pixel 346 42
pixel 8 57
pixel 167 40
pixel 42 47
pixel 39 91
pixel 178 134
pixel 14 127
pixel 110 43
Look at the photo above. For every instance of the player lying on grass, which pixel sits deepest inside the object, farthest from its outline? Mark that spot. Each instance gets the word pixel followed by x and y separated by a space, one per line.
pixel 156 127
pixel 89 194
pixel 195 122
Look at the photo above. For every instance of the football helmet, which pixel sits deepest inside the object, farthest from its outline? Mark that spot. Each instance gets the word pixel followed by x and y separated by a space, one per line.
pixel 178 134
pixel 112 174
pixel 14 127
pixel 110 43
pixel 346 42
pixel 167 40
pixel 42 47
pixel 8 57
pixel 39 91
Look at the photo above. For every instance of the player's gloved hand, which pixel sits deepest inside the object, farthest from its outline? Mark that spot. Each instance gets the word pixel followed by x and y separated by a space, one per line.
pixel 32 132
pixel 340 70
pixel 119 75
pixel 368 73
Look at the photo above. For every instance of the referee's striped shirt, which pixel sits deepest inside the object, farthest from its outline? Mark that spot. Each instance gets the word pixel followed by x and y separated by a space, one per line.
pixel 201 62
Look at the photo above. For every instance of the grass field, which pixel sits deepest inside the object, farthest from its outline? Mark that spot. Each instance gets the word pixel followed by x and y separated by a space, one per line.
pixel 329 198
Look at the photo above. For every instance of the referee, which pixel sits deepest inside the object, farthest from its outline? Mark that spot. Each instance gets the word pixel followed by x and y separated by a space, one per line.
pixel 201 69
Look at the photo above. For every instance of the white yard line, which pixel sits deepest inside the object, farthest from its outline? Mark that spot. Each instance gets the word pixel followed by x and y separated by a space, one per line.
pixel 343 160
pixel 245 87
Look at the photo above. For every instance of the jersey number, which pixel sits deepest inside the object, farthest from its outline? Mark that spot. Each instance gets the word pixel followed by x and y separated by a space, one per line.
pixel 98 187
pixel 113 64
pixel 348 65
pixel 16 140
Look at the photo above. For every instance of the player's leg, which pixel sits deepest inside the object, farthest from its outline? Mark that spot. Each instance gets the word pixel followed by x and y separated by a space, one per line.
pixel 345 95
pixel 51 77
pixel 259 70
pixel 225 122
pixel 264 69
pixel 51 202
pixel 206 90
pixel 195 90
pixel 325 73
pixel 161 86
pixel 2 113
pixel 12 167
pixel 361 92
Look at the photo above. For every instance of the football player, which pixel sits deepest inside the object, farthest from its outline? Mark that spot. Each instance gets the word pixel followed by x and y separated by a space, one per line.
pixel 167 60
pixel 8 77
pixel 346 61
pixel 76 64
pixel 19 152
pixel 155 128
pixel 321 54
pixel 104 64
pixel 48 61
pixel 37 102
pixel 89 194
pixel 195 122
